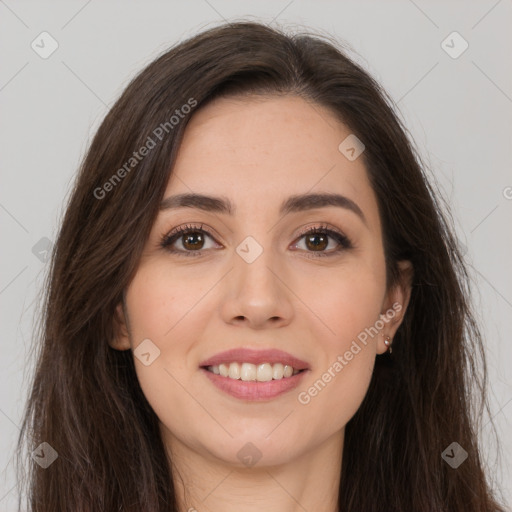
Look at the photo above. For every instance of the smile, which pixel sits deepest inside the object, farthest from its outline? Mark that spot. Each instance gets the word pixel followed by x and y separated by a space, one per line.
pixel 255 375
pixel 251 372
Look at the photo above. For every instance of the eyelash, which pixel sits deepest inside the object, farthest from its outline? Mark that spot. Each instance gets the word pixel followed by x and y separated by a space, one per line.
pixel 343 241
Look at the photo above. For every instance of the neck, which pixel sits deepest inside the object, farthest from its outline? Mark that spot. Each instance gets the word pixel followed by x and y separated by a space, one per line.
pixel 309 482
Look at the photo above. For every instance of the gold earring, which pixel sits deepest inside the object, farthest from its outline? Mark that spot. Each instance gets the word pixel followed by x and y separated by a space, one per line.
pixel 387 342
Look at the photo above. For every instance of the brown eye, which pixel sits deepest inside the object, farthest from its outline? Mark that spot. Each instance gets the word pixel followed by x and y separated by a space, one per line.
pixel 317 241
pixel 193 241
pixel 187 241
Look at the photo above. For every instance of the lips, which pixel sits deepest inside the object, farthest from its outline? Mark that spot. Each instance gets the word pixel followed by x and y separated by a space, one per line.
pixel 242 355
pixel 255 391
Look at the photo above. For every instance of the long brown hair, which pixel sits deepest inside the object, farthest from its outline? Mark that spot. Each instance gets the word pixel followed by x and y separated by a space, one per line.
pixel 85 400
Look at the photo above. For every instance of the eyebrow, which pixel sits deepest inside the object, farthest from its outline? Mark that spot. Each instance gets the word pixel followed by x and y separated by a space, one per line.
pixel 295 203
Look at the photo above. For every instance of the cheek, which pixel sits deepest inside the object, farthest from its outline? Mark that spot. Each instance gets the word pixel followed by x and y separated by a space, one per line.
pixel 334 394
pixel 161 302
pixel 336 388
pixel 163 309
pixel 349 305
pixel 347 300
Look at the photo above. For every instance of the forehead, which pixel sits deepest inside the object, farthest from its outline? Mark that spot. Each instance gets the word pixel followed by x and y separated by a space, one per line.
pixel 259 150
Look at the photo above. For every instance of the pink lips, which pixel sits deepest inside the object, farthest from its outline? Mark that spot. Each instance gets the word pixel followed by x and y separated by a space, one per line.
pixel 253 390
pixel 243 355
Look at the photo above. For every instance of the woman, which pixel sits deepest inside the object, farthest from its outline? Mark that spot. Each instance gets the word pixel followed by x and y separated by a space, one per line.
pixel 255 300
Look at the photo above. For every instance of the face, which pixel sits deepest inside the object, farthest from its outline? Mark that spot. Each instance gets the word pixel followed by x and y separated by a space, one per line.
pixel 254 279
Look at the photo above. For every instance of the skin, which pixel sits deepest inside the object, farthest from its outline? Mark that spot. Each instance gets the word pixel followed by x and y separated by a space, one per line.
pixel 257 151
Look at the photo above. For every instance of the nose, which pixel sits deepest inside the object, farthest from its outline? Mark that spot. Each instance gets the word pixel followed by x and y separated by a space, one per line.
pixel 257 294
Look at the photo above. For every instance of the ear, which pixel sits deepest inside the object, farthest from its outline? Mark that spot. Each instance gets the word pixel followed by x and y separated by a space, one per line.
pixel 395 304
pixel 121 339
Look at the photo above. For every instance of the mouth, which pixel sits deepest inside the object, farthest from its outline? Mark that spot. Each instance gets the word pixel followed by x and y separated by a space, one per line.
pixel 254 375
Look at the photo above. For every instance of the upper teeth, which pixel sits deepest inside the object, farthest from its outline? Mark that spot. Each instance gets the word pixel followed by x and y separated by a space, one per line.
pixel 247 371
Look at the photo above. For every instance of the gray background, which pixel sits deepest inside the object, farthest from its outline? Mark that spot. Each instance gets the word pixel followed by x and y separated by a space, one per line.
pixel 458 111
